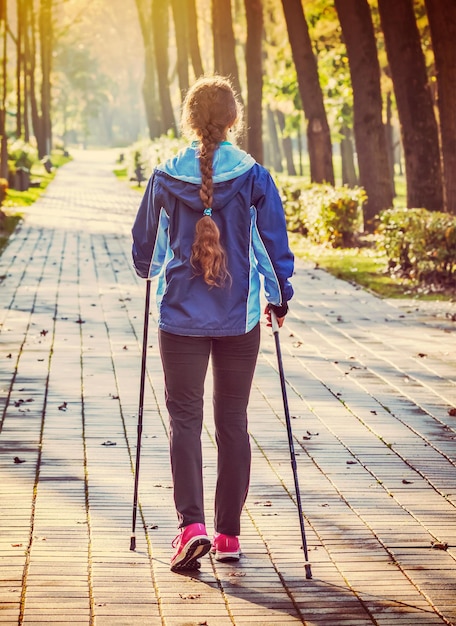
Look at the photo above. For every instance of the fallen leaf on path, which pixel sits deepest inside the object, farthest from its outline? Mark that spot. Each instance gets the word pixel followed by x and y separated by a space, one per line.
pixel 109 443
pixel 439 545
pixel 18 461
pixel 63 406
pixel 452 412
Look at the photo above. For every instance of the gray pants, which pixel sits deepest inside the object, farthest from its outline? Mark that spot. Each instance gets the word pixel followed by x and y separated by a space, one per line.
pixel 185 361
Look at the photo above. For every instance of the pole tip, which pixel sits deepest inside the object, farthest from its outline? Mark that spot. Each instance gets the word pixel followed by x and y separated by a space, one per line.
pixel 133 543
pixel 308 572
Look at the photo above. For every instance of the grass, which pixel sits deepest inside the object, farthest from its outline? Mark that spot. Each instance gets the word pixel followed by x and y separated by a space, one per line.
pixel 365 266
pixel 121 174
pixel 7 228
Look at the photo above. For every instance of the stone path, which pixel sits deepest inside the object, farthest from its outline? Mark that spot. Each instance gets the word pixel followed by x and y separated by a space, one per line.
pixel 371 385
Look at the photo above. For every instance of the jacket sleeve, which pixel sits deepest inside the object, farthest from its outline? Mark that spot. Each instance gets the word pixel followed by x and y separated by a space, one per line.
pixel 150 235
pixel 270 241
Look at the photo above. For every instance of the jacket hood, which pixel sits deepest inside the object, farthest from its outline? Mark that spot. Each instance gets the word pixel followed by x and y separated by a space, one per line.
pixel 181 174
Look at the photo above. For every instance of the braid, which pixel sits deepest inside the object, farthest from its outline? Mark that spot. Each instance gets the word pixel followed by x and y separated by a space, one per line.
pixel 208 254
pixel 210 108
pixel 208 147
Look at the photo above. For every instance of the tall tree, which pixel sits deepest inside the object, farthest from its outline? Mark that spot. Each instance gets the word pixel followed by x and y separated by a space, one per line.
pixel 180 17
pixel 442 22
pixel 19 64
pixel 3 137
pixel 358 32
pixel 286 143
pixel 414 104
pixel 254 63
pixel 192 25
pixel 46 51
pixel 160 26
pixel 318 135
pixel 149 91
pixel 224 42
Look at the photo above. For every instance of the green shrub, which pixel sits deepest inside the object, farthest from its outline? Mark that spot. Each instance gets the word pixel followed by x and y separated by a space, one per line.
pixel 22 154
pixel 324 214
pixel 146 155
pixel 420 244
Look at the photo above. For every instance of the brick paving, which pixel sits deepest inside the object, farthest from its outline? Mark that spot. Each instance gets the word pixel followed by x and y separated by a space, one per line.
pixel 370 386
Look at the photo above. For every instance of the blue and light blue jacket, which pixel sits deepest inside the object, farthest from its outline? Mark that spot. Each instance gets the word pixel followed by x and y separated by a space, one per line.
pixel 248 211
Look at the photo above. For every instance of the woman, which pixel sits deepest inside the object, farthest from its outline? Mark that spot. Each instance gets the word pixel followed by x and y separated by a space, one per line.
pixel 210 222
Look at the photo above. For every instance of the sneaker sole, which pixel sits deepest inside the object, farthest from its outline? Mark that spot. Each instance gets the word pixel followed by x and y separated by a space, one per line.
pixel 197 547
pixel 227 556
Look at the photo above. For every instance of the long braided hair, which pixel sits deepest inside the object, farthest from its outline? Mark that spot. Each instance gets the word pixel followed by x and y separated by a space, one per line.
pixel 210 109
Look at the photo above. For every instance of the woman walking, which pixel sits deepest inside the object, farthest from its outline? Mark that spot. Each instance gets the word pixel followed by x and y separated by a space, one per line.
pixel 210 222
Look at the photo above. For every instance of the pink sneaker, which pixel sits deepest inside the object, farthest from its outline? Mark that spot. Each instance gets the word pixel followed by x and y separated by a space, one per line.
pixel 226 547
pixel 190 544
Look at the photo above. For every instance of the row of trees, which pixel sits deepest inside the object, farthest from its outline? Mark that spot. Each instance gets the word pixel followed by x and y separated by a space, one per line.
pixel 426 116
pixel 350 68
pixel 65 74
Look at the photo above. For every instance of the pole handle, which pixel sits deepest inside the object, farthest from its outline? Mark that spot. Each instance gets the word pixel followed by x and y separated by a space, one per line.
pixel 274 322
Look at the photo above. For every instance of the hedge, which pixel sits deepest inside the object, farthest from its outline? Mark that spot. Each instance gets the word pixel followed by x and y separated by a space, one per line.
pixel 420 244
pixel 324 214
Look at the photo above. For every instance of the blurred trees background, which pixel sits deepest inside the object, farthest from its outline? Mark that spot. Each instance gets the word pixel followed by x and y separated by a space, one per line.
pixel 369 84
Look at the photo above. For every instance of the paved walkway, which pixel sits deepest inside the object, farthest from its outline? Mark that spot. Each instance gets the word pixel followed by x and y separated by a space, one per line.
pixel 371 386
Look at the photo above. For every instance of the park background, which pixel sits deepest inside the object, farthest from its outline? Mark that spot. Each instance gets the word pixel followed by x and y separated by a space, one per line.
pixel 350 103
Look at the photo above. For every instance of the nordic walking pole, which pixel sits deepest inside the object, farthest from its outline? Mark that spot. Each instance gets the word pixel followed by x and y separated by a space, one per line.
pixel 275 330
pixel 140 414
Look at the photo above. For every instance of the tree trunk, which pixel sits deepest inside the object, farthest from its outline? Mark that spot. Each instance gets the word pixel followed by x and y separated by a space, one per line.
pixel 389 132
pixel 160 25
pixel 287 145
pixel 37 122
pixel 347 155
pixel 3 137
pixel 149 89
pixel 414 104
pixel 275 151
pixel 442 22
pixel 180 17
pixel 318 135
pixel 358 33
pixel 192 30
pixel 19 65
pixel 46 41
pixel 224 43
pixel 26 31
pixel 254 63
